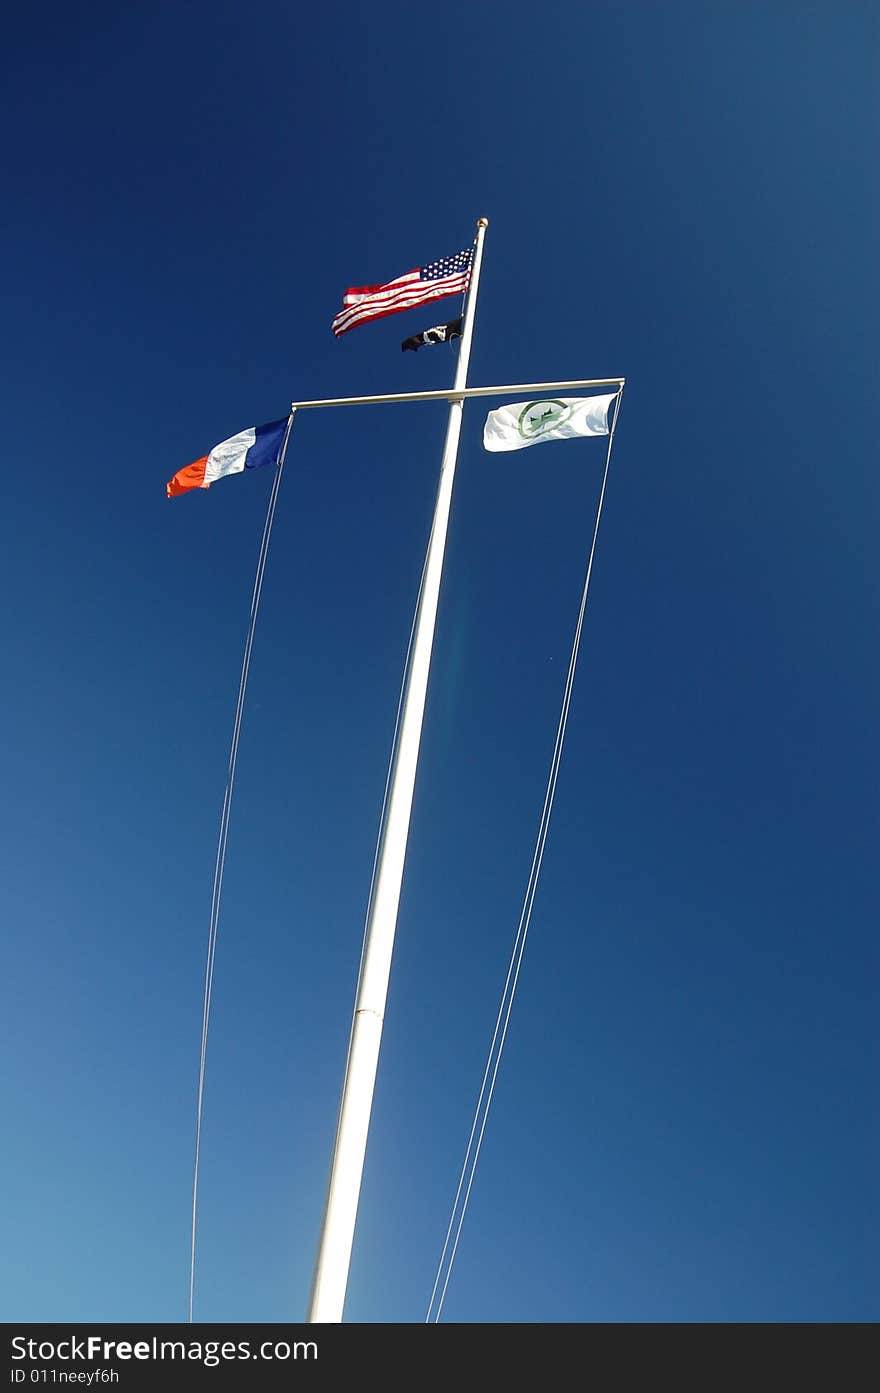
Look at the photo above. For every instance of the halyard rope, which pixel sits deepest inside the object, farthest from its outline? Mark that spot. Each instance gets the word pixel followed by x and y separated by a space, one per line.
pixel 223 837
pixel 493 1060
pixel 224 823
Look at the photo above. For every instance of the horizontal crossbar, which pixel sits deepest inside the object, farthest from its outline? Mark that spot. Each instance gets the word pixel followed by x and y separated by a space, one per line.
pixel 529 388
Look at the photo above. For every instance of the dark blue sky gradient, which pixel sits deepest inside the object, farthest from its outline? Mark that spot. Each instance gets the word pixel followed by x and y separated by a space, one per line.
pixel 685 1124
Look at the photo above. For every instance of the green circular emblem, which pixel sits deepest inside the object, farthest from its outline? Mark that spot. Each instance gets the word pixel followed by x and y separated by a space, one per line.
pixel 540 416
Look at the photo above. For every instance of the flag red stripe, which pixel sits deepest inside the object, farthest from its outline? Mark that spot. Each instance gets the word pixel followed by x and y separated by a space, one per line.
pixel 411 292
pixel 403 299
pixel 363 290
pixel 191 477
pixel 342 326
pixel 379 314
pixel 379 306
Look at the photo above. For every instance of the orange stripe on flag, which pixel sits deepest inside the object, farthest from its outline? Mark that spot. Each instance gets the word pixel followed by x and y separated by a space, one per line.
pixel 192 477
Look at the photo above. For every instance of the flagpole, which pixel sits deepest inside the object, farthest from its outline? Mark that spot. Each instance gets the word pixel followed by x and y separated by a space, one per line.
pixel 337 1233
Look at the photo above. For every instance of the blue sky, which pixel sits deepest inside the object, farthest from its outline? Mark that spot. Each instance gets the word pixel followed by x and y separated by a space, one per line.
pixel 685 1125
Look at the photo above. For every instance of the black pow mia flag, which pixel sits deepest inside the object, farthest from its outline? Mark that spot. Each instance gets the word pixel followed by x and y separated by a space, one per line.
pixel 441 333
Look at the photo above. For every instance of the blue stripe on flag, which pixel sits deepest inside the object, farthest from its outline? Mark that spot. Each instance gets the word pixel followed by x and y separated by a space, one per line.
pixel 267 446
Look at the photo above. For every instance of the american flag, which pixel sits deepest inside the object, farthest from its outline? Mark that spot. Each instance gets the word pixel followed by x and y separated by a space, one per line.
pixel 361 303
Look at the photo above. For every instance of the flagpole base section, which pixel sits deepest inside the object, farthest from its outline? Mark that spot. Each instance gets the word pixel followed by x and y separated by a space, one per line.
pixel 331 1273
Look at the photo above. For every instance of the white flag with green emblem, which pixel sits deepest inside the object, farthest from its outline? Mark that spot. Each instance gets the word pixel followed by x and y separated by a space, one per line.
pixel 552 418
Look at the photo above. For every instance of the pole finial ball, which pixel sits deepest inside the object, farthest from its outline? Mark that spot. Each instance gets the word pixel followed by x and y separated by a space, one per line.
pixel 482 222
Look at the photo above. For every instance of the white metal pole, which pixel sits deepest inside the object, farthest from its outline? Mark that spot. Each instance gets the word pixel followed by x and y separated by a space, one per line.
pixel 465 393
pixel 337 1233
